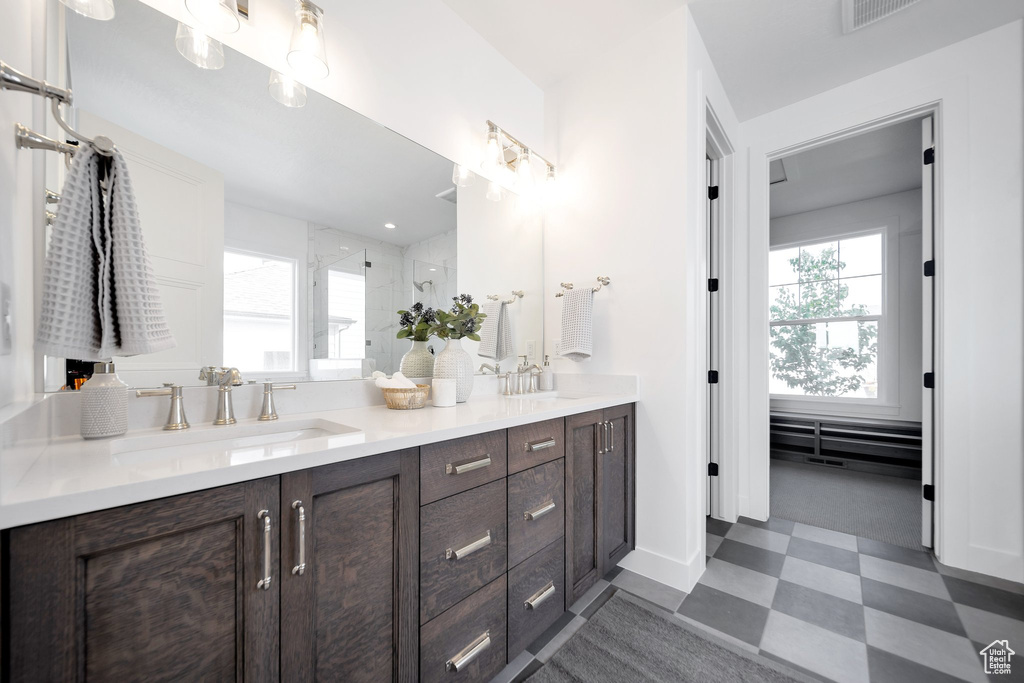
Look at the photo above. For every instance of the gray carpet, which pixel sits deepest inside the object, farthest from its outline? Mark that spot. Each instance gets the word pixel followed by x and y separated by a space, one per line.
pixel 874 506
pixel 625 641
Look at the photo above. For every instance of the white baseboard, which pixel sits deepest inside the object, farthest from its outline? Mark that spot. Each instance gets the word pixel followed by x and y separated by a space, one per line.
pixel 995 563
pixel 680 575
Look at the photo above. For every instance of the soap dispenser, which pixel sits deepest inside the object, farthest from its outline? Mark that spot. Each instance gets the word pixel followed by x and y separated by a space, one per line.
pixel 546 378
pixel 104 403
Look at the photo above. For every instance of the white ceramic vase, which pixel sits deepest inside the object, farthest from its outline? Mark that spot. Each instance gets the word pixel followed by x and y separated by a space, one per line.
pixel 418 361
pixel 454 362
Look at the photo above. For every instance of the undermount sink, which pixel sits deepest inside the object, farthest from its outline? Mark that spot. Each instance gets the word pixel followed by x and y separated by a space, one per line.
pixel 242 437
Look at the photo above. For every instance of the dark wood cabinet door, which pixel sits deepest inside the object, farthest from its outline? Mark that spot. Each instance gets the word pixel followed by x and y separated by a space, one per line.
pixel 616 477
pixel 582 554
pixel 350 614
pixel 167 590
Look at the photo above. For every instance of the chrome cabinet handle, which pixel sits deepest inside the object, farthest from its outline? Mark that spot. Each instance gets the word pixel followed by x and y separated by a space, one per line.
pixel 534 601
pixel 264 583
pixel 607 441
pixel 600 437
pixel 468 550
pixel 300 568
pixel 544 509
pixel 460 661
pixel 611 438
pixel 532 446
pixel 462 468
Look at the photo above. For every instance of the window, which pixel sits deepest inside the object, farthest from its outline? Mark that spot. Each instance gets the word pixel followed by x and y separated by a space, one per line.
pixel 259 312
pixel 825 310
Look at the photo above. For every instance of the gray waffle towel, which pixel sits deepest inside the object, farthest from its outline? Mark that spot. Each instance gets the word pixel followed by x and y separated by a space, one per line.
pixel 99 296
pixel 496 333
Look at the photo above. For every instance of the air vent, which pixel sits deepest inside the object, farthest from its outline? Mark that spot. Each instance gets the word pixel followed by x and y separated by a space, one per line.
pixel 860 13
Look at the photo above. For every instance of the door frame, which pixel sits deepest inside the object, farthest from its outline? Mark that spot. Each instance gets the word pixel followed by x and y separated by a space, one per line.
pixel 757 340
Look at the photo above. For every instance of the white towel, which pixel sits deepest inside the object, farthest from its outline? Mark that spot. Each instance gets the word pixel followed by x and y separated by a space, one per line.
pixel 99 297
pixel 496 332
pixel 577 342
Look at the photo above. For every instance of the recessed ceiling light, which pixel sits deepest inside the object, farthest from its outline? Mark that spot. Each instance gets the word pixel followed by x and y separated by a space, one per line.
pixel 433 270
pixel 390 226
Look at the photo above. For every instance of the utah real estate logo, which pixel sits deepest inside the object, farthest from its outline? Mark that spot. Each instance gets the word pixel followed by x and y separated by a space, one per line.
pixel 997 657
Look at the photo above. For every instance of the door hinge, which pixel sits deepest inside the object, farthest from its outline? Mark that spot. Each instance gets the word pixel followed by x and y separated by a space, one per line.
pixel 929 156
pixel 712 469
pixel 712 376
pixel 713 284
pixel 929 380
pixel 928 492
pixel 713 192
pixel 929 268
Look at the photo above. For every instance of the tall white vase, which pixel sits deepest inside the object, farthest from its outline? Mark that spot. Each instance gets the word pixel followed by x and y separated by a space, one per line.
pixel 454 362
pixel 418 361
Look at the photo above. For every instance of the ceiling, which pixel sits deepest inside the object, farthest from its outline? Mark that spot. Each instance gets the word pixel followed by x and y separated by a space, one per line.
pixel 884 161
pixel 771 53
pixel 322 163
pixel 549 40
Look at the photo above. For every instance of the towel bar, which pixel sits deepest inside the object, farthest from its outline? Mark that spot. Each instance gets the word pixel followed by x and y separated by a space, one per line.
pixel 601 282
pixel 516 294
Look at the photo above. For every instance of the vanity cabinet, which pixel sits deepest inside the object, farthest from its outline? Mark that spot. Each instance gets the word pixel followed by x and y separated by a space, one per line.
pixel 168 590
pixel 600 465
pixel 349 570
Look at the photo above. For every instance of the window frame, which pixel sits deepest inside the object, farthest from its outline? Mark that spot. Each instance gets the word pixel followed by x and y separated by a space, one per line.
pixel 887 399
pixel 294 372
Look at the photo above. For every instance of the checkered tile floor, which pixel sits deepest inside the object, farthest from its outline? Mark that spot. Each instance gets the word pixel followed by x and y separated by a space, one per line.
pixel 834 606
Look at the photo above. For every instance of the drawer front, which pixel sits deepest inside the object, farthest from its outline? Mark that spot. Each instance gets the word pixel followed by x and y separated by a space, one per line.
pixel 466 643
pixel 458 465
pixel 535 444
pixel 536 596
pixel 536 509
pixel 463 546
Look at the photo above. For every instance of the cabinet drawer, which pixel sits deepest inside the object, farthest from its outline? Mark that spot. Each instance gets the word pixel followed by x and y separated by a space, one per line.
pixel 536 596
pixel 535 444
pixel 463 546
pixel 536 509
pixel 469 636
pixel 458 465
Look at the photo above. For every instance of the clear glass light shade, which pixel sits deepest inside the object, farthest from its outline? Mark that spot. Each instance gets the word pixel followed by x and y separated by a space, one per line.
pixel 550 175
pixel 494 153
pixel 462 176
pixel 306 53
pixel 199 48
pixel 494 192
pixel 524 170
pixel 287 90
pixel 94 9
pixel 218 16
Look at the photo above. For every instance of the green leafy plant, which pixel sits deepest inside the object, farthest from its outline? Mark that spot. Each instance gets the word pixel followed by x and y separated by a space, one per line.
pixel 462 321
pixel 416 323
pixel 797 359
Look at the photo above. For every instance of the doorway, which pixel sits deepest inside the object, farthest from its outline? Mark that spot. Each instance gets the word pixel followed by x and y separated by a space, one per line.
pixel 850 334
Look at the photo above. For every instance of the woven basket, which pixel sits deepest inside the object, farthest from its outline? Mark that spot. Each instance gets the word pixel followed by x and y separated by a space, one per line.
pixel 407 399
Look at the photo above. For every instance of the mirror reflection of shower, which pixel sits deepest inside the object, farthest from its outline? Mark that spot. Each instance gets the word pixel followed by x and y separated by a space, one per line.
pixel 433 285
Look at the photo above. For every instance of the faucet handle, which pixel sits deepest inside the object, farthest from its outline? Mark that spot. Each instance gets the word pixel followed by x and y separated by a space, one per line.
pixel 526 360
pixel 269 411
pixel 176 417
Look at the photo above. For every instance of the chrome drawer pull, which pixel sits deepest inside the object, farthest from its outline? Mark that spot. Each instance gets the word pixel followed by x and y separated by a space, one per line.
pixel 611 440
pixel 264 583
pixel 465 551
pixel 544 509
pixel 460 661
pixel 539 445
pixel 300 568
pixel 462 468
pixel 534 601
pixel 600 437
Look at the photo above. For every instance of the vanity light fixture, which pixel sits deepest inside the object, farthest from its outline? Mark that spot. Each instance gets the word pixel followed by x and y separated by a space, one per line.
pixel 505 155
pixel 524 170
pixel 494 151
pixel 494 191
pixel 390 226
pixel 462 176
pixel 199 48
pixel 287 90
pixel 103 10
pixel 306 53
pixel 219 16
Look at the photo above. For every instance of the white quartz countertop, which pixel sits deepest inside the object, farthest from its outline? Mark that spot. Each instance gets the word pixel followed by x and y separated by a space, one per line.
pixel 46 479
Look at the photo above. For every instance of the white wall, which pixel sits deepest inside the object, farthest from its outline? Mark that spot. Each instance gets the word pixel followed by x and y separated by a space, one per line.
pixel 900 374
pixel 21 199
pixel 629 133
pixel 977 84
pixel 412 65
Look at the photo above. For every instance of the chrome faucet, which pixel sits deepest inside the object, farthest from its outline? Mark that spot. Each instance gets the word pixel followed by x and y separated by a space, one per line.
pixel 226 379
pixel 525 369
pixel 269 410
pixel 496 368
pixel 176 417
pixel 209 375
